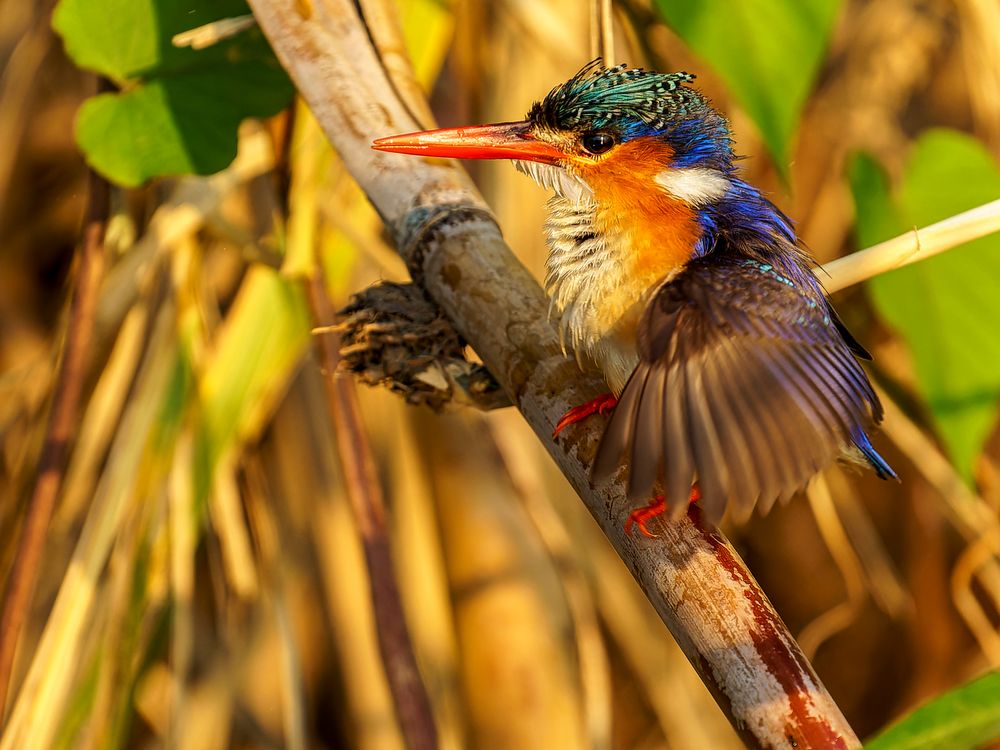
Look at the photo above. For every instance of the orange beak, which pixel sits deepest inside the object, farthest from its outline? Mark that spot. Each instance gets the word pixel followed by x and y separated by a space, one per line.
pixel 505 140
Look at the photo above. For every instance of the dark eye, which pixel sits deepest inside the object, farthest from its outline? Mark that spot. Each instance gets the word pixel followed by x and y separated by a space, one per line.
pixel 598 143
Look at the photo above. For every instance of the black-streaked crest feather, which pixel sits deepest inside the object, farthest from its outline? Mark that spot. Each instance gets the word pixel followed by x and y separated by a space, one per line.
pixel 596 96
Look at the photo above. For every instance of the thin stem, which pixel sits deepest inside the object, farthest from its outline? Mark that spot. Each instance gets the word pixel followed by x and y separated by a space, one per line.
pixel 61 426
pixel 413 707
pixel 911 247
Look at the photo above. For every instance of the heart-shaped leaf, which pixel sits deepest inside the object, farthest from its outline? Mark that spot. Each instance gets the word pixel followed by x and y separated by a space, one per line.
pixel 179 108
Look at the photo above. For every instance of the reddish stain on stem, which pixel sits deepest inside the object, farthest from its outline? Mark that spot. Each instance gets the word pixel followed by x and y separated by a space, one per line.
pixel 782 658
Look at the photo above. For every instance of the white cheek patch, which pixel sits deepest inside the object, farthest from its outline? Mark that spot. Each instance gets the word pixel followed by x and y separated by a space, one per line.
pixel 564 183
pixel 694 185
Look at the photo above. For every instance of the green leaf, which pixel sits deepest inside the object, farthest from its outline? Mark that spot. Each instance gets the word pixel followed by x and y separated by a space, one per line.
pixel 965 718
pixel 767 51
pixel 179 108
pixel 946 308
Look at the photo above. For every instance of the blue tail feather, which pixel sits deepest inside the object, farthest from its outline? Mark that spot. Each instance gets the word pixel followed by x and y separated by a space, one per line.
pixel 878 463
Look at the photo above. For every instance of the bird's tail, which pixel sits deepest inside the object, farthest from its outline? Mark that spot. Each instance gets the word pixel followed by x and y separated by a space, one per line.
pixel 871 455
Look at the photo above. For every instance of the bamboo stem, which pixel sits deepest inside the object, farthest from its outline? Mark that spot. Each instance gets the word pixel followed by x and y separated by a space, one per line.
pixel 911 247
pixel 693 577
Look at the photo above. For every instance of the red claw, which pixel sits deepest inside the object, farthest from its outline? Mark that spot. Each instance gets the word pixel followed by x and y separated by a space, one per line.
pixel 641 516
pixel 600 405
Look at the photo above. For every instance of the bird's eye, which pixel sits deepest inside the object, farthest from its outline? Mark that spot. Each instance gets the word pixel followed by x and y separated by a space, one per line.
pixel 597 143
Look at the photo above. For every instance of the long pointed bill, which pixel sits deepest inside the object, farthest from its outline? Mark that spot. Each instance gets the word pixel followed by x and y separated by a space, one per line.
pixel 506 140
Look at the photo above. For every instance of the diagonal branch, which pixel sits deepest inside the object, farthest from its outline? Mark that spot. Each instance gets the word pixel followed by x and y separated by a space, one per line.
pixel 695 580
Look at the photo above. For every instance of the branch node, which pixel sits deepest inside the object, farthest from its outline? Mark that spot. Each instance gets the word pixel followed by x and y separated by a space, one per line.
pixel 419 224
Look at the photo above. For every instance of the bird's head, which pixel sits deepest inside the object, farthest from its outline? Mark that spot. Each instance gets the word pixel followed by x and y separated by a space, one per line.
pixel 606 135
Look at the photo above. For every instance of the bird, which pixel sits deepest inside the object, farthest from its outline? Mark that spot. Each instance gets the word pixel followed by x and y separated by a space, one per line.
pixel 732 379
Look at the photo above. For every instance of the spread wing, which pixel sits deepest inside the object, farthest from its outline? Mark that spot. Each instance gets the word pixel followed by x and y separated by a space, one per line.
pixel 745 384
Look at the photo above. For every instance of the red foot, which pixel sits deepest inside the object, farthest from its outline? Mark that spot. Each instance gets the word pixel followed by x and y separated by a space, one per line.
pixel 600 405
pixel 641 516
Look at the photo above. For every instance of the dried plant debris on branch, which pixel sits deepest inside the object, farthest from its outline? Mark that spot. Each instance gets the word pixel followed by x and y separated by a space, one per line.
pixel 394 335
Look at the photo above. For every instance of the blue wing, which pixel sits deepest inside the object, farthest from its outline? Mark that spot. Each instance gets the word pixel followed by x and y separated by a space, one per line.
pixel 746 384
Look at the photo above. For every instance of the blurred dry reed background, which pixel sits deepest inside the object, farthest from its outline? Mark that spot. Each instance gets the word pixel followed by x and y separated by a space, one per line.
pixel 203 583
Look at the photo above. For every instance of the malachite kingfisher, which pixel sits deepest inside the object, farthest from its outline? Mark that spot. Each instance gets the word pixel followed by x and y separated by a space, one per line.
pixel 733 377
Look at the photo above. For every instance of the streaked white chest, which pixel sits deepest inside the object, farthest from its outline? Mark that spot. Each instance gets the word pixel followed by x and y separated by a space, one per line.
pixel 592 290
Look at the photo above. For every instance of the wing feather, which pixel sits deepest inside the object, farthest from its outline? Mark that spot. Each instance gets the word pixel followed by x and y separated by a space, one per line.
pixel 746 384
pixel 616 442
pixel 679 464
pixel 725 414
pixel 842 401
pixel 795 439
pixel 713 473
pixel 647 454
pixel 766 431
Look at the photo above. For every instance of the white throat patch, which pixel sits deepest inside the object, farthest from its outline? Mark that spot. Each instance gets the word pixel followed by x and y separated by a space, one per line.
pixel 695 186
pixel 565 184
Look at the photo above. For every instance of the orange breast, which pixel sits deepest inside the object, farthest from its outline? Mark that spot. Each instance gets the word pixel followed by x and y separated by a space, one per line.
pixel 657 232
